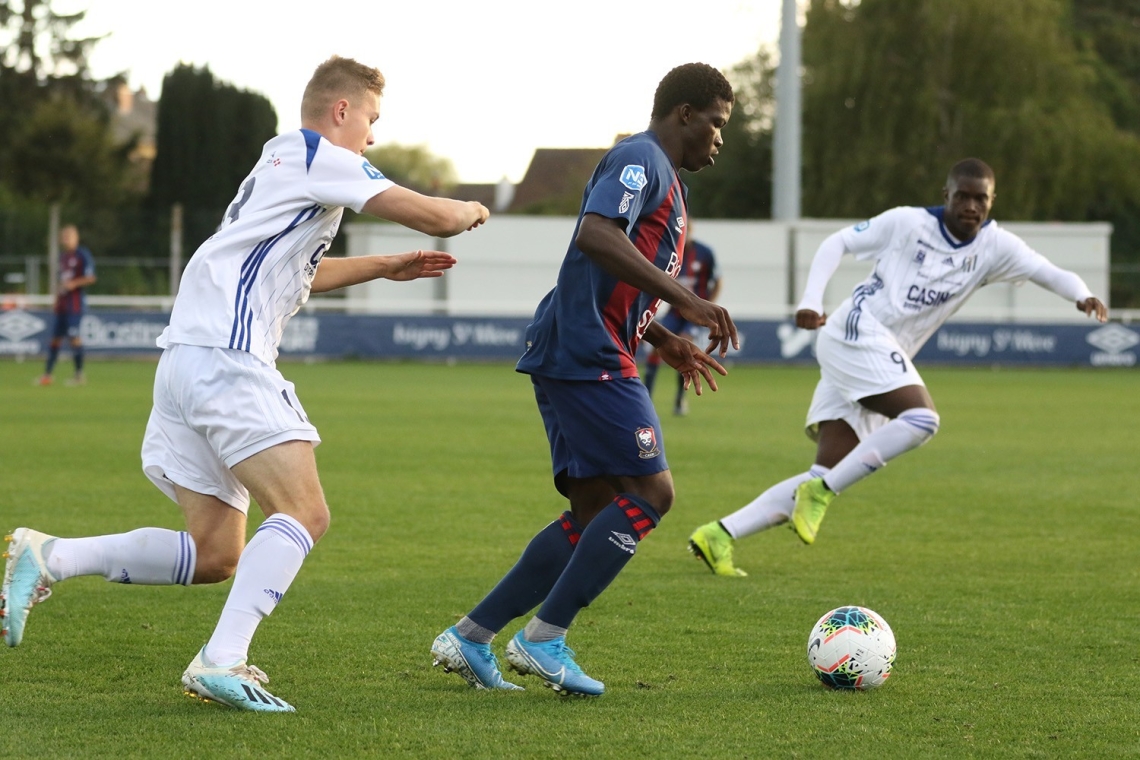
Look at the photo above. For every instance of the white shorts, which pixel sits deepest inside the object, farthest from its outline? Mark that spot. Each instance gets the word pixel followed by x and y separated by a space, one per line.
pixel 853 370
pixel 213 408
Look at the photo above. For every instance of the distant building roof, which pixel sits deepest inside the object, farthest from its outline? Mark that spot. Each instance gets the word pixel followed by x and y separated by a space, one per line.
pixel 555 179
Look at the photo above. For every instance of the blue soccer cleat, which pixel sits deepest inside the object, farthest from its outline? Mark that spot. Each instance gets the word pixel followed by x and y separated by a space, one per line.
pixel 27 581
pixel 553 662
pixel 237 685
pixel 474 661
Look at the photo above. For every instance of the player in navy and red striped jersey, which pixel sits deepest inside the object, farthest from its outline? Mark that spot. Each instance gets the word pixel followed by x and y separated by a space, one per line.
pixel 605 438
pixel 76 272
pixel 699 274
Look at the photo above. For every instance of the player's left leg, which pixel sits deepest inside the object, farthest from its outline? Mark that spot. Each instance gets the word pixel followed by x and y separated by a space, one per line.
pixel 613 531
pixel 652 365
pixel 77 356
pixel 680 403
pixel 913 422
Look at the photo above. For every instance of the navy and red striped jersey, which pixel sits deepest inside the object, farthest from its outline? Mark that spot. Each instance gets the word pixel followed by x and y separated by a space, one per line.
pixel 72 266
pixel 589 325
pixel 698 269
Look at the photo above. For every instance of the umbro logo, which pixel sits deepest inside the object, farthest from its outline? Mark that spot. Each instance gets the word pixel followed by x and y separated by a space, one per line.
pixel 623 541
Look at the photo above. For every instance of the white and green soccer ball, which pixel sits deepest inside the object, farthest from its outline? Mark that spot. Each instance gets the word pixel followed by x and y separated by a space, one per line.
pixel 851 648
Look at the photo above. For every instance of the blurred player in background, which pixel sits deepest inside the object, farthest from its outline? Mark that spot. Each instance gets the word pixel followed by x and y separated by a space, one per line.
pixel 76 272
pixel 225 424
pixel 699 274
pixel 871 405
pixel 605 438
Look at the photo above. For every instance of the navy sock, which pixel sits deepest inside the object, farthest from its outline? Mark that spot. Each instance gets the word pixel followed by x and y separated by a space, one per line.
pixel 53 354
pixel 607 544
pixel 650 376
pixel 79 360
pixel 527 583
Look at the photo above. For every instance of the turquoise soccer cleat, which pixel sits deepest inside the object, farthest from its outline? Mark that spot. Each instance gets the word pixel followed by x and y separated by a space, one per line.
pixel 237 685
pixel 27 581
pixel 553 662
pixel 474 661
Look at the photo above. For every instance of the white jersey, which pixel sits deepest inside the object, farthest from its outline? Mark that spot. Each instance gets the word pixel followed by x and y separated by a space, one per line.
pixel 922 276
pixel 246 281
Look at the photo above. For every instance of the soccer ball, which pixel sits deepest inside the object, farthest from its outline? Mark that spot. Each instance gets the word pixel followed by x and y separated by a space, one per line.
pixel 851 648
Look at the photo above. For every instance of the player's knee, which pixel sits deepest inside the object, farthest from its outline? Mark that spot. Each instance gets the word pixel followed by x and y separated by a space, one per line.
pixel 922 422
pixel 216 566
pixel 660 497
pixel 316 519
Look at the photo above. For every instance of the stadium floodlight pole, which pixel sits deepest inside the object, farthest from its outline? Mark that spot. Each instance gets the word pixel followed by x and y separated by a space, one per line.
pixel 786 138
pixel 786 148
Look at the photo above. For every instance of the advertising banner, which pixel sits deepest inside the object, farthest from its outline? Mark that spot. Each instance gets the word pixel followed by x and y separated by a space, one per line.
pixel 26 333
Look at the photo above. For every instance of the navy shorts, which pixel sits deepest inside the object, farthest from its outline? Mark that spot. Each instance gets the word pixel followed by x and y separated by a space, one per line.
pixel 66 324
pixel 599 428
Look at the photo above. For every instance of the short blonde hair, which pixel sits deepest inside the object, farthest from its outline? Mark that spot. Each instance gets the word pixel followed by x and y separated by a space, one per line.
pixel 338 78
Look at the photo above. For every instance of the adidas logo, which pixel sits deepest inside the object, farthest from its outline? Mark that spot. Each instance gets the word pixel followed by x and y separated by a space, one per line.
pixel 124 578
pixel 623 541
pixel 276 595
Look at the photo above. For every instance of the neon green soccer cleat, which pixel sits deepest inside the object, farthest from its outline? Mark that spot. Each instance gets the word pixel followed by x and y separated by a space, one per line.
pixel 812 499
pixel 712 544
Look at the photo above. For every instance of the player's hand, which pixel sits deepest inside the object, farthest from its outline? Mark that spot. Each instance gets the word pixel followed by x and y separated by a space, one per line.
pixel 722 331
pixel 693 363
pixel 806 319
pixel 417 264
pixel 481 213
pixel 1092 306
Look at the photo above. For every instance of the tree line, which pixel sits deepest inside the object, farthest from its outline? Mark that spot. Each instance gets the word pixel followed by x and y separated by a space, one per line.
pixel 1045 91
pixel 894 92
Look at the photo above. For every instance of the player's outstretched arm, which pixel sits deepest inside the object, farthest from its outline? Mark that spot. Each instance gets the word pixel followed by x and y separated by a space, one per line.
pixel 810 314
pixel 684 356
pixel 605 242
pixel 333 273
pixel 1069 285
pixel 439 217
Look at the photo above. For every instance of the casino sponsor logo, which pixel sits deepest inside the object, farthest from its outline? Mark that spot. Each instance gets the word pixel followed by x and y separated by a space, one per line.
pixel 1113 341
pixel 917 296
pixel 15 328
pixel 371 171
pixel 646 443
pixel 633 177
pixel 624 205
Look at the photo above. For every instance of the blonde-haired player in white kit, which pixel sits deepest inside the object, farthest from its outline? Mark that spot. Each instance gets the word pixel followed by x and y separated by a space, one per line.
pixel 225 423
pixel 871 404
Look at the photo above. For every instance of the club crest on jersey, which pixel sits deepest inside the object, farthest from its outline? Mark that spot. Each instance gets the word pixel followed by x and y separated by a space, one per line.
pixel 633 177
pixel 647 443
pixel 371 171
pixel 624 205
pixel 862 225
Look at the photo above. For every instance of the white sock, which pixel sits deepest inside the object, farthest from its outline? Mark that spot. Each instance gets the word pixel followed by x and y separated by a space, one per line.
pixel 147 556
pixel 772 507
pixel 909 430
pixel 269 563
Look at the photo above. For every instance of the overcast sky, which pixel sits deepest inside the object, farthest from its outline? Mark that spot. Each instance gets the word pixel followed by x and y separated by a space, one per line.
pixel 483 84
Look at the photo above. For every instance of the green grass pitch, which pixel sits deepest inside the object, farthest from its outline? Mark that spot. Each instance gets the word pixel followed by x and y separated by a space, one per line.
pixel 1005 554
